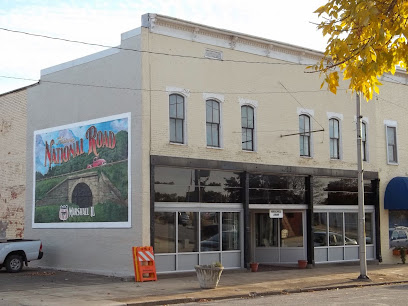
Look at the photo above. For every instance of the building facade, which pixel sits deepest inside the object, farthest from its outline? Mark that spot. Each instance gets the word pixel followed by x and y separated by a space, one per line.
pixel 209 145
pixel 13 125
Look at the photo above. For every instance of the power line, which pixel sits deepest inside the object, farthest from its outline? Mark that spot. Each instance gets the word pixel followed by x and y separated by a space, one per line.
pixel 302 107
pixel 144 51
pixel 160 90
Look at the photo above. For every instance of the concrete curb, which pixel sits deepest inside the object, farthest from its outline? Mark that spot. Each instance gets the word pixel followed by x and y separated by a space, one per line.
pixel 249 295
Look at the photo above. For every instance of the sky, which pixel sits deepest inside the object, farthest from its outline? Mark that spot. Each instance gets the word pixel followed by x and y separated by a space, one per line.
pixel 102 22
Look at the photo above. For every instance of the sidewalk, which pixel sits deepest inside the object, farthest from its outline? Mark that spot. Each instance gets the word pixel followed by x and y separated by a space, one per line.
pixel 181 288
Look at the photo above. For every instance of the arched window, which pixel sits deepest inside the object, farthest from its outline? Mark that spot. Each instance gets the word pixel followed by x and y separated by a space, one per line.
pixel 334 131
pixel 213 123
pixel 364 140
pixel 176 111
pixel 247 124
pixel 304 135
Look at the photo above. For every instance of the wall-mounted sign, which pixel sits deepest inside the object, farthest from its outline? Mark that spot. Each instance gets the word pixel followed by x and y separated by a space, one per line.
pixel 82 174
pixel 275 213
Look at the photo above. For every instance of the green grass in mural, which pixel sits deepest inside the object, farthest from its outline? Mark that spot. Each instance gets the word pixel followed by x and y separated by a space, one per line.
pixel 104 212
pixel 42 187
pixel 118 175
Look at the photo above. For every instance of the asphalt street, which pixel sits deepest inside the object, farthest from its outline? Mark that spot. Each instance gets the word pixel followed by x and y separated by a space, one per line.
pixel 386 295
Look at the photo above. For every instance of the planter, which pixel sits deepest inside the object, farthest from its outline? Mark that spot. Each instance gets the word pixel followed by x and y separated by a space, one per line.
pixel 208 276
pixel 302 264
pixel 254 266
pixel 397 252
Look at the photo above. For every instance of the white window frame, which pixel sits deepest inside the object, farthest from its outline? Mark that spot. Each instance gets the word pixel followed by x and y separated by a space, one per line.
pixel 339 117
pixel 254 105
pixel 310 113
pixel 220 99
pixel 185 93
pixel 391 124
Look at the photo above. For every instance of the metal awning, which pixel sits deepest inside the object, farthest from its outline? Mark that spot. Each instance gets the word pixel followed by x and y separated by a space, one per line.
pixel 396 194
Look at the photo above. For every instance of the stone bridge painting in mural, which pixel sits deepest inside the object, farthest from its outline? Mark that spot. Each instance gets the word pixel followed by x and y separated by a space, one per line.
pixel 84 190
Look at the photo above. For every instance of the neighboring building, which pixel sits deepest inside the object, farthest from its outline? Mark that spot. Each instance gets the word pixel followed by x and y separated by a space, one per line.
pixel 13 129
pixel 190 138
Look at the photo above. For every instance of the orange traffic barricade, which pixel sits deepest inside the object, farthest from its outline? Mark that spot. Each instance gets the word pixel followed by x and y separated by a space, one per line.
pixel 144 265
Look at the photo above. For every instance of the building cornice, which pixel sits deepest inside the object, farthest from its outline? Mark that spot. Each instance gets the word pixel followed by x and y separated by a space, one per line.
pixel 182 29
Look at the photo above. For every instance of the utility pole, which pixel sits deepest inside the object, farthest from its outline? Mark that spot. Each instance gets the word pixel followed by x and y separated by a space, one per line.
pixel 361 213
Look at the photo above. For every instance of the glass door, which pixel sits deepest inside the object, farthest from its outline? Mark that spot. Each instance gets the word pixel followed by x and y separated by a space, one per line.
pixel 279 240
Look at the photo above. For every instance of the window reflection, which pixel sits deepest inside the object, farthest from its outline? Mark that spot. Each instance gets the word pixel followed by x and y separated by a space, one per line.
pixel 320 229
pixel 210 231
pixel 193 185
pixel 335 191
pixel 266 231
pixel 336 229
pixel 187 232
pixel 351 228
pixel 164 232
pixel 275 189
pixel 369 228
pixel 230 231
pixel 291 230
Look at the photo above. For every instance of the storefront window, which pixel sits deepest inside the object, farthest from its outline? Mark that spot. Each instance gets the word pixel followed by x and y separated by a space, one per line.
pixel 230 231
pixel 164 232
pixel 336 229
pixel 291 230
pixel 351 228
pixel 369 228
pixel 276 189
pixel 320 229
pixel 187 232
pixel 194 185
pixel 335 191
pixel 210 231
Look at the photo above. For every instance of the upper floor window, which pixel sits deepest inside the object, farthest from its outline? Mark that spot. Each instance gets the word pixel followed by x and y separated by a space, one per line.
pixel 304 135
pixel 392 144
pixel 334 131
pixel 364 140
pixel 247 124
pixel 213 123
pixel 176 107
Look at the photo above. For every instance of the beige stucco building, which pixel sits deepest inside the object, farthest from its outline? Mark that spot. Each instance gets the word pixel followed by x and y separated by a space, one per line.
pixel 234 154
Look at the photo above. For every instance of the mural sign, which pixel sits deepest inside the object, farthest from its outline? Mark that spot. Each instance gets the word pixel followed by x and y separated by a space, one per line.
pixel 82 174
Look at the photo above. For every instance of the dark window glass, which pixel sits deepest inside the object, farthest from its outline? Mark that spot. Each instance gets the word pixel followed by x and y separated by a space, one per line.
pixel 213 123
pixel 176 111
pixel 210 231
pixel 335 191
pixel 392 144
pixel 164 232
pixel 334 138
pixel 193 185
pixel 247 124
pixel 304 135
pixel 187 232
pixel 275 189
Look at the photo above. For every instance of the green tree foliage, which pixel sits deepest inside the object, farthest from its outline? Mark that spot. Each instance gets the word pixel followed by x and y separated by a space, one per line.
pixel 366 38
